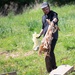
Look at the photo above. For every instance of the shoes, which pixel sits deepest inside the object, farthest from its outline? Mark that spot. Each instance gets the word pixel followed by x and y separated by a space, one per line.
pixel 54 67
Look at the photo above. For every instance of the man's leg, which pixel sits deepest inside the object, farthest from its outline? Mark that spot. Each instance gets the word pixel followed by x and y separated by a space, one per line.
pixel 50 61
pixel 52 55
pixel 48 64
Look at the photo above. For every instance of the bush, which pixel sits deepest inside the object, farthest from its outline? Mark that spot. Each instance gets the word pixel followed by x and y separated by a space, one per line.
pixel 61 2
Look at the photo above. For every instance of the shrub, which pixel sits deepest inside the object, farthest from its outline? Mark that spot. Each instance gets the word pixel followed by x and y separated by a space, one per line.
pixel 61 2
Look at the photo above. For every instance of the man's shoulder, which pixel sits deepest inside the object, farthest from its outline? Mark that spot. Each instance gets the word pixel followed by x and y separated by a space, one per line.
pixel 44 17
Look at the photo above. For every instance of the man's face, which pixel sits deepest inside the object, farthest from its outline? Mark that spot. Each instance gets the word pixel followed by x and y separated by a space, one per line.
pixel 46 10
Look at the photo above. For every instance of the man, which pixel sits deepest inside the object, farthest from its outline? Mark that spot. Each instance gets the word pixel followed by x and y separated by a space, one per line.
pixel 53 17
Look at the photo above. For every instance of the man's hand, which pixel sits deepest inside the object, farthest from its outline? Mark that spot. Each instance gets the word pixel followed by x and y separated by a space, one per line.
pixel 38 36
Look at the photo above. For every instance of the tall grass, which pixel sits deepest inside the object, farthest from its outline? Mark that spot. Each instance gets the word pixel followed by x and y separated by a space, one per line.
pixel 16 37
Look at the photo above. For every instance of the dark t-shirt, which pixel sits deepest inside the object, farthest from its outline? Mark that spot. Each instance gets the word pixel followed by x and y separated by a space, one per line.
pixel 51 15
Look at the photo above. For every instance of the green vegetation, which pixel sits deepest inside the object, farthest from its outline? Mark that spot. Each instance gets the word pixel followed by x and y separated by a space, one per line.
pixel 16 39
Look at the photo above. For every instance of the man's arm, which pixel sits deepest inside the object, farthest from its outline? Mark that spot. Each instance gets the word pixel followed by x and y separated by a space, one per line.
pixel 39 35
pixel 54 21
pixel 55 18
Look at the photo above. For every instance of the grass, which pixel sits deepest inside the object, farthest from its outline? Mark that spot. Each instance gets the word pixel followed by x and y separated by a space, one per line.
pixel 16 37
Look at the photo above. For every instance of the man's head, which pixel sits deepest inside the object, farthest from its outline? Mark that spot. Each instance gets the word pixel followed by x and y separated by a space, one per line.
pixel 45 7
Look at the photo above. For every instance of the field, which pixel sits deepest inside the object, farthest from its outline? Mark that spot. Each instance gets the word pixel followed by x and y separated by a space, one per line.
pixel 16 53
